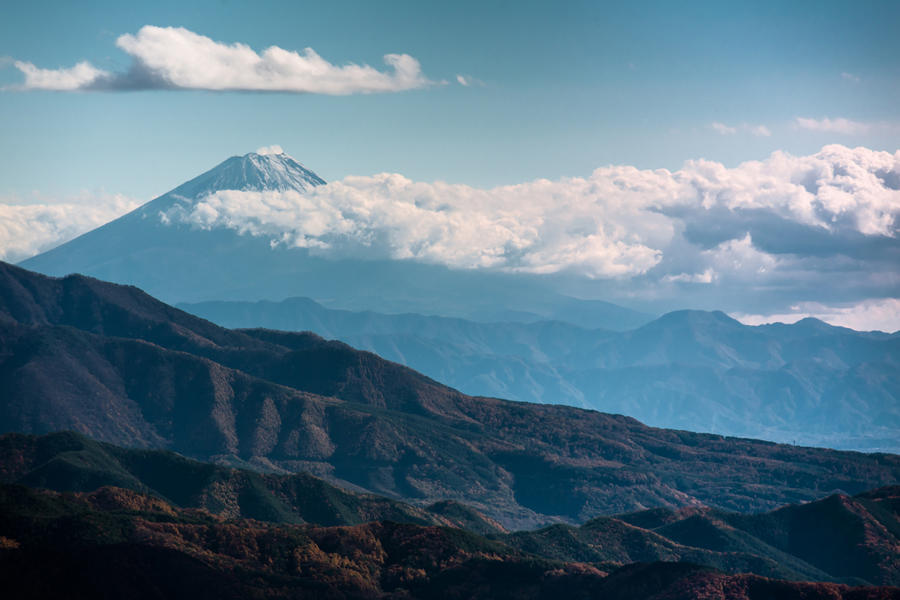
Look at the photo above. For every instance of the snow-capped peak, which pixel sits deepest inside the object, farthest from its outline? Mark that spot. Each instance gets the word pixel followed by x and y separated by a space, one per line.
pixel 268 168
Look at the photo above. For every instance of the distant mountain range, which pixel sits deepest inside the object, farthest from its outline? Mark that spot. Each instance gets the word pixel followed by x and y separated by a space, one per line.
pixel 111 362
pixel 790 543
pixel 808 383
pixel 177 262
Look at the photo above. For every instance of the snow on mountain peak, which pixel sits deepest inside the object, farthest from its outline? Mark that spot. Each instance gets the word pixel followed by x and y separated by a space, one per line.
pixel 266 169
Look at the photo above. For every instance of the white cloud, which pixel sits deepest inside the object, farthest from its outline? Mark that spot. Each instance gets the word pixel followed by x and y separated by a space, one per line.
pixel 81 76
pixel 839 125
pixel 274 149
pixel 757 130
pixel 176 58
pixel 28 229
pixel 707 276
pixel 468 81
pixel 850 77
pixel 723 129
pixel 878 314
pixel 620 222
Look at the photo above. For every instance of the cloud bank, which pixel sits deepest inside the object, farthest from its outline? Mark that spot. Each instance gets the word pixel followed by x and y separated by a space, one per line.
pixel 176 58
pixel 777 239
pixel 757 238
pixel 28 229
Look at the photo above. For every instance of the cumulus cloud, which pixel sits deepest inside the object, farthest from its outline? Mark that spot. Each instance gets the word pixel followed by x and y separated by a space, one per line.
pixel 839 125
pixel 176 58
pixel 29 229
pixel 876 314
pixel 786 223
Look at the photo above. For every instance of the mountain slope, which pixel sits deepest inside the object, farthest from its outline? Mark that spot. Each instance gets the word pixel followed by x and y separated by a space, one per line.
pixel 862 535
pixel 181 263
pixel 68 462
pixel 807 382
pixel 111 362
pixel 855 539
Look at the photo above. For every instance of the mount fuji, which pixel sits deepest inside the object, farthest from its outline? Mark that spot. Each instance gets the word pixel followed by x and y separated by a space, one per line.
pixel 180 262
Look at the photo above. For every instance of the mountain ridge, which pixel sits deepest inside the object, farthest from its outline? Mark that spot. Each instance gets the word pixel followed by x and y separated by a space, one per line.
pixel 687 369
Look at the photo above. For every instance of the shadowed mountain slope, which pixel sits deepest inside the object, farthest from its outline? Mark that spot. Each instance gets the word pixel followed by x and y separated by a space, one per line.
pixel 69 462
pixel 858 545
pixel 854 539
pixel 111 362
pixel 117 543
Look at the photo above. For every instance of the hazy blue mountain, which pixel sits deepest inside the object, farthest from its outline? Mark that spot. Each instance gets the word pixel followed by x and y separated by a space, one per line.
pixel 180 263
pixel 808 382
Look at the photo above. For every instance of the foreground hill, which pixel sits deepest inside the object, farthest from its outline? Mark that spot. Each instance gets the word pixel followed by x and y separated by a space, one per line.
pixel 117 543
pixel 114 363
pixel 808 382
pixel 69 462
pixel 858 545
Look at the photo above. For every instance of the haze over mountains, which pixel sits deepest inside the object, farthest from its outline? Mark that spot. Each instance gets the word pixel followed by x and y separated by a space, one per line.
pixel 808 383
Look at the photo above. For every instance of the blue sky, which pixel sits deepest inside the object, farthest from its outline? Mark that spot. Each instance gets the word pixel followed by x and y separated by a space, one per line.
pixel 567 87
pixel 779 123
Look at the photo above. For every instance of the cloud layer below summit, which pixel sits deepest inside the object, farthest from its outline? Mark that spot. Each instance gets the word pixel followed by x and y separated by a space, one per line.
pixel 27 229
pixel 788 229
pixel 768 240
pixel 176 58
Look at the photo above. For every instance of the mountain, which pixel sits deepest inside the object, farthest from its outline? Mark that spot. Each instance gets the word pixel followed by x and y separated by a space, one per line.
pixel 115 543
pixel 808 382
pixel 839 538
pixel 111 362
pixel 182 263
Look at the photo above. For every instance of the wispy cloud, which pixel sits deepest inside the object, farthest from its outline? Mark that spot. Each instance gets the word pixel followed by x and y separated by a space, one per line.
pixel 850 77
pixel 757 130
pixel 179 59
pixel 723 129
pixel 839 125
pixel 27 229
pixel 468 81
